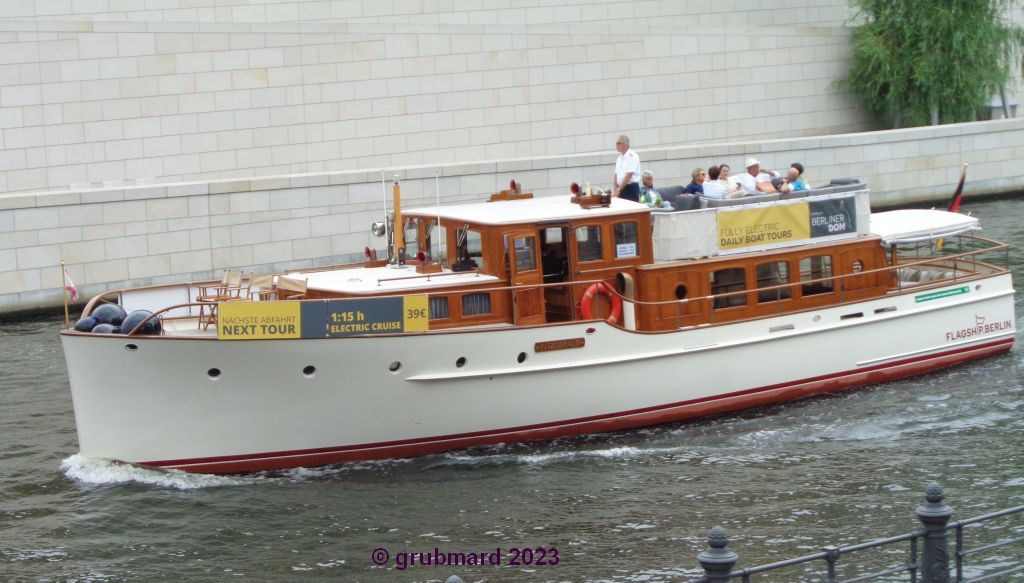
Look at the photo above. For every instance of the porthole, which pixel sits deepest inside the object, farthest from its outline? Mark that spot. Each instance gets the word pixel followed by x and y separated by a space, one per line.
pixel 858 266
pixel 591 330
pixel 681 291
pixel 521 358
pixel 309 371
pixel 461 362
pixel 131 347
pixel 213 373
pixel 395 366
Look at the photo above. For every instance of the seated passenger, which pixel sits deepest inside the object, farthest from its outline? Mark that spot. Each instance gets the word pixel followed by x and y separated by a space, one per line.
pixel 756 180
pixel 648 194
pixel 800 176
pixel 714 187
pixel 696 185
pixel 727 181
pixel 792 181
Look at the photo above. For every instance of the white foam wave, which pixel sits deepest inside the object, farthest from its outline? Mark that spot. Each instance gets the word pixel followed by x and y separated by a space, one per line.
pixel 934 398
pixel 104 472
pixel 541 459
pixel 301 474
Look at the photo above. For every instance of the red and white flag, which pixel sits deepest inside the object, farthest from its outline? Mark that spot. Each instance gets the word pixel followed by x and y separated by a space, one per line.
pixel 69 287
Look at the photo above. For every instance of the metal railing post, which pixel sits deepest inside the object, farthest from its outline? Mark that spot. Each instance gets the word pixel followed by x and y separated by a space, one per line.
pixel 717 560
pixel 935 555
pixel 831 556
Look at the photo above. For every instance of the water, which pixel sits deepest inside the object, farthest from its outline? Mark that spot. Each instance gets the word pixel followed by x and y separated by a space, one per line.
pixel 633 506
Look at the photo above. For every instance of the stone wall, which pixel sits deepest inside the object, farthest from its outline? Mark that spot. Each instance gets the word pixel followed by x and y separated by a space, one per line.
pixel 120 92
pixel 119 237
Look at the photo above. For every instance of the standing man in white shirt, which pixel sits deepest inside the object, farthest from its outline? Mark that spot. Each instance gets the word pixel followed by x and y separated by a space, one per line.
pixel 627 171
pixel 754 175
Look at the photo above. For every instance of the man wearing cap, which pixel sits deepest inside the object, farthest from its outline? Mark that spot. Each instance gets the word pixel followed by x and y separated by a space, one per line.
pixel 754 175
pixel 627 171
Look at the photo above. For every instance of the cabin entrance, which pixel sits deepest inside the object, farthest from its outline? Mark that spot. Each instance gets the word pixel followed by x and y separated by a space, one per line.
pixel 554 241
pixel 525 276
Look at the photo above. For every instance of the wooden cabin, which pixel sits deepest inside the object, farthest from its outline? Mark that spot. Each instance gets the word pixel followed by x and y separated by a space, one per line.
pixel 526 261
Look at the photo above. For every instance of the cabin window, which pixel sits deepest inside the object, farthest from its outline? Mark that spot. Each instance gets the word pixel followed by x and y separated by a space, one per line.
pixel 436 242
pixel 728 280
pixel 625 240
pixel 411 234
pixel 470 249
pixel 526 256
pixel 476 304
pixel 814 268
pixel 588 243
pixel 552 235
pixel 771 274
pixel 438 308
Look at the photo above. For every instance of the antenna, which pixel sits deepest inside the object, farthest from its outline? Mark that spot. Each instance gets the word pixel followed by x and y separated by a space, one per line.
pixel 384 194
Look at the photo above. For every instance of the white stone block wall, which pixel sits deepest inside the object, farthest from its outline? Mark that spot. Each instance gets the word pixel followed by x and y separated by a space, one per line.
pixel 122 92
pixel 122 237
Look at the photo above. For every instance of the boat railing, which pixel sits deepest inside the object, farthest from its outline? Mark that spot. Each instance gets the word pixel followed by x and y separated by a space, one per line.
pixel 160 313
pixel 952 267
pixel 100 298
pixel 946 268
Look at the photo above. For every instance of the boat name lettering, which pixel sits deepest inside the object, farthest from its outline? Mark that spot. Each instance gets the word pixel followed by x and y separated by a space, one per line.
pixel 978 330
pixel 941 294
pixel 559 344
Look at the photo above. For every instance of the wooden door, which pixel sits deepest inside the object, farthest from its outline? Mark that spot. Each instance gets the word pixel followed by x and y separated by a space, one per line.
pixel 525 277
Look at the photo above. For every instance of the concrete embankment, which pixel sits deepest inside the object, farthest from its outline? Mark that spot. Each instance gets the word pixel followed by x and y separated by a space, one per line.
pixel 154 233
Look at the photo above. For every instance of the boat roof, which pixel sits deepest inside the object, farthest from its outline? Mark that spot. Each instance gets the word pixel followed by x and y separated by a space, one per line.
pixel 376 280
pixel 915 225
pixel 527 210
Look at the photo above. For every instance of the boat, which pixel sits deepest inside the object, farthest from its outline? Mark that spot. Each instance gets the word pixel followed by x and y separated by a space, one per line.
pixel 525 318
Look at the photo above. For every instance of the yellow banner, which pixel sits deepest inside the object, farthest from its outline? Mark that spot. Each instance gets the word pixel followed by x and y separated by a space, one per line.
pixel 763 226
pixel 258 320
pixel 416 313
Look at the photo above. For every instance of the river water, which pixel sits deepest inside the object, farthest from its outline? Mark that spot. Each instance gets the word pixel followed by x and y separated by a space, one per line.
pixel 633 506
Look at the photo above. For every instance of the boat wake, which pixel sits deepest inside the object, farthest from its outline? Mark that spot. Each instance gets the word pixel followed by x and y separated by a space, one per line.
pixel 561 456
pixel 97 472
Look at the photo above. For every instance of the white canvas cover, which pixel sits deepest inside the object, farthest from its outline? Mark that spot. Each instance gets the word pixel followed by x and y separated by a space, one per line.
pixel 913 225
pixel 695 234
pixel 685 235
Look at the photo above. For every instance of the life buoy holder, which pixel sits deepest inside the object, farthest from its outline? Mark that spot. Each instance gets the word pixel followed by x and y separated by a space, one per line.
pixel 588 298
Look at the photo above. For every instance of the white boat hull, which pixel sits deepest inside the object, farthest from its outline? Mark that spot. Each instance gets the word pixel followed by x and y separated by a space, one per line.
pixel 158 406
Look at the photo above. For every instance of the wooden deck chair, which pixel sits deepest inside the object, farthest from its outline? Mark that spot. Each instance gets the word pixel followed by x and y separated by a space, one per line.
pixel 229 289
pixel 291 289
pixel 230 286
pixel 260 286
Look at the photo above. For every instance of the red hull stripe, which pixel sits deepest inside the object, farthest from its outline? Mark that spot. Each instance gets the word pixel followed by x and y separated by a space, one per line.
pixel 633 418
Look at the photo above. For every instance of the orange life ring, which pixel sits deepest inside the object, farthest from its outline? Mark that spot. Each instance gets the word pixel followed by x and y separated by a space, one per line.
pixel 588 297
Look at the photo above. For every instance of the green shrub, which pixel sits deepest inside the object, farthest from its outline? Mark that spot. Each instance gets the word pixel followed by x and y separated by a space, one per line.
pixel 913 59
